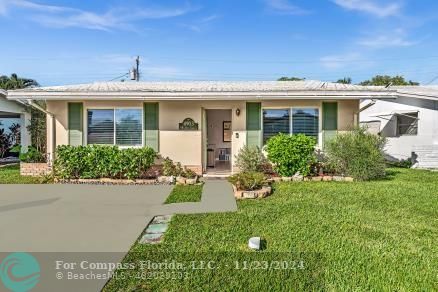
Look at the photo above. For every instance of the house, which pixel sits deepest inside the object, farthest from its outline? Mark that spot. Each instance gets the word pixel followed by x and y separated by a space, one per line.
pixel 409 122
pixel 14 112
pixel 203 125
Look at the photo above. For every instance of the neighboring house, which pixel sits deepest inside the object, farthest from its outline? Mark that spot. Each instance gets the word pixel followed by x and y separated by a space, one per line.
pixel 203 125
pixel 409 122
pixel 13 112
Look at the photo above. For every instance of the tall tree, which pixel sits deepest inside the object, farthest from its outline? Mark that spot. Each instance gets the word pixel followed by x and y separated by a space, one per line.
pixel 37 127
pixel 15 82
pixel 290 79
pixel 385 80
pixel 345 80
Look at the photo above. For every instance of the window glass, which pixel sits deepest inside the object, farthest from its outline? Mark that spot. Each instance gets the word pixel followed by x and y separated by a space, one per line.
pixel 305 121
pixel 129 127
pixel 100 126
pixel 407 124
pixel 275 121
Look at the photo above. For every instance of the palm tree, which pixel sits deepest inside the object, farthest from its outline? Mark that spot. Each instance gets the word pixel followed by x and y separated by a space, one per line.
pixel 15 82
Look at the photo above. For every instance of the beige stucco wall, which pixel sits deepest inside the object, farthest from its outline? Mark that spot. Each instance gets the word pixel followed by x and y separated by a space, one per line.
pixel 186 146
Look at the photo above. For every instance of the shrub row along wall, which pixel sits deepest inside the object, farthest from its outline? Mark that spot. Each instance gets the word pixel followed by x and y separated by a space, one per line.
pixel 92 162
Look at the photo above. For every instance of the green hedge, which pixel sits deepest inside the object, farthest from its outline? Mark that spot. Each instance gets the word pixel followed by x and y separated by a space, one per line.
pixel 357 153
pixel 102 162
pixel 291 153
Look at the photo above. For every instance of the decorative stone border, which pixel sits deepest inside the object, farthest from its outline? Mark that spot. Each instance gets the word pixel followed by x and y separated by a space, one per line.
pixel 178 180
pixel 108 181
pixel 300 178
pixel 262 193
pixel 34 169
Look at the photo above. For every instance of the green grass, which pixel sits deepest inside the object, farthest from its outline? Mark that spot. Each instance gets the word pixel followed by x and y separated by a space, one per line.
pixel 11 175
pixel 364 236
pixel 185 193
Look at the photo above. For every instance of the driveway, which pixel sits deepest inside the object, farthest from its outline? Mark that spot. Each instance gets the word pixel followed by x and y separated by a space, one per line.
pixel 75 218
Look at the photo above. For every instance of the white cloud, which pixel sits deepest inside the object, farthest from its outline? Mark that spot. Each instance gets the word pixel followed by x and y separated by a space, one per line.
pixel 371 7
pixel 116 18
pixel 385 41
pixel 210 18
pixel 285 7
pixel 339 61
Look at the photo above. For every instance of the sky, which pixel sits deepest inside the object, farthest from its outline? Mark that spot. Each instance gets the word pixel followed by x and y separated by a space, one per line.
pixel 69 42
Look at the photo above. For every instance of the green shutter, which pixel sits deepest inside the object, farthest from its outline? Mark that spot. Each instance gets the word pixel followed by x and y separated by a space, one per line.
pixel 330 116
pixel 329 120
pixel 253 124
pixel 75 124
pixel 151 125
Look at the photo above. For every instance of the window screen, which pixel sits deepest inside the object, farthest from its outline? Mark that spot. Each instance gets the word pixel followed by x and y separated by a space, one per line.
pixel 128 127
pixel 100 126
pixel 275 121
pixel 115 127
pixel 305 121
pixel 407 124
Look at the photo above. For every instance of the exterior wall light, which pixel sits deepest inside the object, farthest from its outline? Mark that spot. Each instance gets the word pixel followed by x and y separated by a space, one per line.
pixel 237 112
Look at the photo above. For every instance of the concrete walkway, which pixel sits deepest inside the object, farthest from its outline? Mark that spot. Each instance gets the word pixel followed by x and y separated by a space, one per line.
pixel 217 196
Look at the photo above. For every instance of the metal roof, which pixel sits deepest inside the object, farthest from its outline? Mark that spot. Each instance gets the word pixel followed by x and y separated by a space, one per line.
pixel 427 92
pixel 205 86
pixel 195 90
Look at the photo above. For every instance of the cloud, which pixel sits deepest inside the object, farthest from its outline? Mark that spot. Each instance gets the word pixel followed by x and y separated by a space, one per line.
pixel 201 24
pixel 371 7
pixel 113 19
pixel 387 40
pixel 339 61
pixel 210 18
pixel 285 7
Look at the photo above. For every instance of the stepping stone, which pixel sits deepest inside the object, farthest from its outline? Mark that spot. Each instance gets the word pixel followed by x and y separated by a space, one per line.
pixel 162 219
pixel 157 228
pixel 152 238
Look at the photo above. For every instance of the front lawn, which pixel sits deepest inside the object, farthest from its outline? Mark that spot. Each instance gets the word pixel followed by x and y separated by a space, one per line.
pixel 11 175
pixel 185 193
pixel 363 236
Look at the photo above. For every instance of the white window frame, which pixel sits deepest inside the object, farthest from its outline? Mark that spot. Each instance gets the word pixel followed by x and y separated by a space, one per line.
pixel 115 124
pixel 291 108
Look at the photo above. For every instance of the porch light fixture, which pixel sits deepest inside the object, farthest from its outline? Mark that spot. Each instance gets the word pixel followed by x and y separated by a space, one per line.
pixel 237 112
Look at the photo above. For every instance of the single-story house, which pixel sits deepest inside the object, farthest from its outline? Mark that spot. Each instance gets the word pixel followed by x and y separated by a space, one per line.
pixel 14 112
pixel 203 125
pixel 409 122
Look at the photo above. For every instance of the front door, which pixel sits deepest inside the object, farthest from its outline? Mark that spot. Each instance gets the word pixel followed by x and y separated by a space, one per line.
pixel 217 141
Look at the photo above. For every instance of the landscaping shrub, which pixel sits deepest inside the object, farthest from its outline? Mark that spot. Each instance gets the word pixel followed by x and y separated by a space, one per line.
pixel 188 173
pixel 31 156
pixel 403 163
pixel 172 169
pixel 291 153
pixel 102 162
pixel 251 158
pixel 357 153
pixel 248 181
